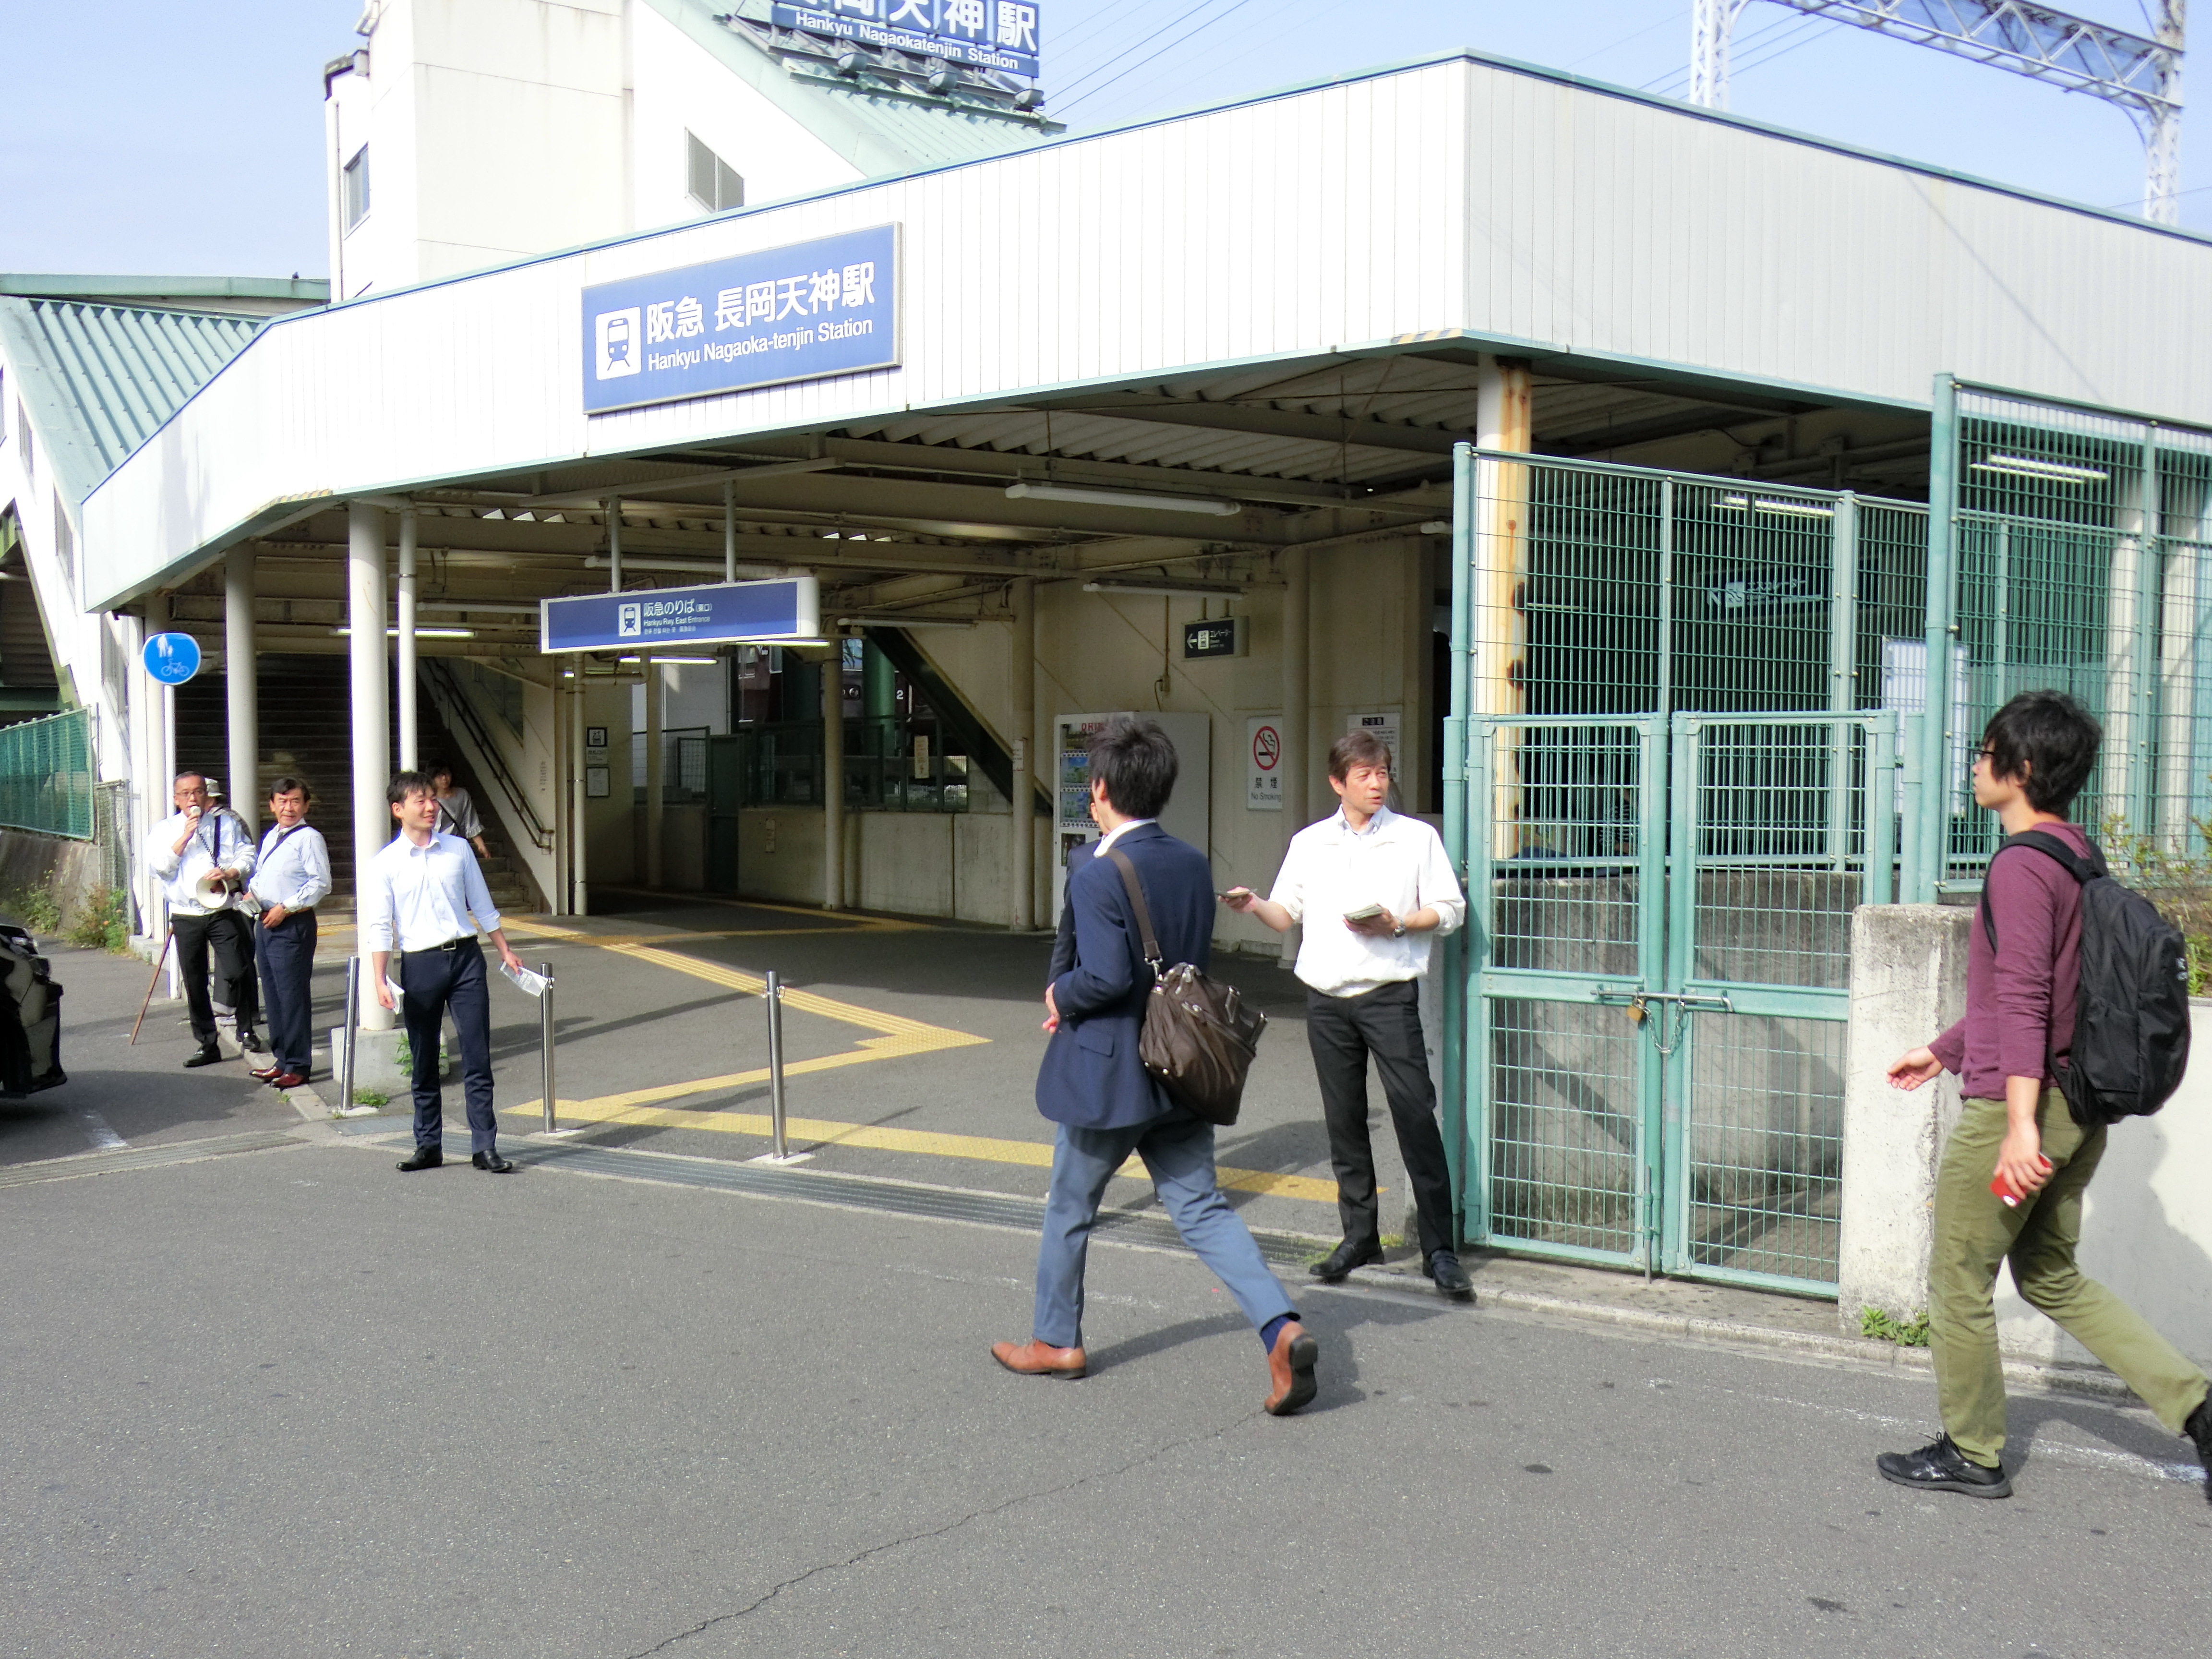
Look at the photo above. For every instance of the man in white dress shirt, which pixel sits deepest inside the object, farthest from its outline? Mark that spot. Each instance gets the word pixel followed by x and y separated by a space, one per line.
pixel 197 838
pixel 291 877
pixel 424 895
pixel 1371 886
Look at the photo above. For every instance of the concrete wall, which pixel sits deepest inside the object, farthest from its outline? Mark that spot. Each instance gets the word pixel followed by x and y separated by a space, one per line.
pixel 70 870
pixel 2147 1223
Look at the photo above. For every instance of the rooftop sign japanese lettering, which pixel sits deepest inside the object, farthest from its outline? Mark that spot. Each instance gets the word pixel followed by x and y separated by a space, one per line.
pixel 991 34
pixel 801 312
pixel 785 608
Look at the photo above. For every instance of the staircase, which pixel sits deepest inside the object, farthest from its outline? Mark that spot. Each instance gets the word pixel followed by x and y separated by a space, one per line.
pixel 306 731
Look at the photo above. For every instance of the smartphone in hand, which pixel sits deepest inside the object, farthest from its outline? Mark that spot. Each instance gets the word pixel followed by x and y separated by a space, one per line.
pixel 2003 1188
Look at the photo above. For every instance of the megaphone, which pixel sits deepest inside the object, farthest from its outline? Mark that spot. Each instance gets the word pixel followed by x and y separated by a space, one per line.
pixel 214 889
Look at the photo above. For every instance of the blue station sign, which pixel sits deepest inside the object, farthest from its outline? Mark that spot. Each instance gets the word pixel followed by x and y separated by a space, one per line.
pixel 722 613
pixel 991 34
pixel 171 659
pixel 800 312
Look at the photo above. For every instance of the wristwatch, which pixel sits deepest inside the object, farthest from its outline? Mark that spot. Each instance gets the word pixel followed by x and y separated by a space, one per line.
pixel 1398 931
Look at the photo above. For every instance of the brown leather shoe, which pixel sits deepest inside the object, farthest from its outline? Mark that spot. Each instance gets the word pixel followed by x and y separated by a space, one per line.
pixel 263 1073
pixel 286 1080
pixel 1292 1366
pixel 1035 1359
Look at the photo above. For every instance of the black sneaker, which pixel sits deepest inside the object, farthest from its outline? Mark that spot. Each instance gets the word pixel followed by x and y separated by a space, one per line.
pixel 1941 1467
pixel 2199 1429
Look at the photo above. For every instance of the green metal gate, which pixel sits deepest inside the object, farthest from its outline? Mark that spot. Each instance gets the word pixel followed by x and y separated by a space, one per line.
pixel 1661 914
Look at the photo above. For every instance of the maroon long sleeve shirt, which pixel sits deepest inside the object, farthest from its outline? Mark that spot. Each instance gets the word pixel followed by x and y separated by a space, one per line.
pixel 2019 997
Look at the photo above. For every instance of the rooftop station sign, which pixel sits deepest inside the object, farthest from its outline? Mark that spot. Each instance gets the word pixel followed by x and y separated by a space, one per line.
pixel 800 312
pixel 989 34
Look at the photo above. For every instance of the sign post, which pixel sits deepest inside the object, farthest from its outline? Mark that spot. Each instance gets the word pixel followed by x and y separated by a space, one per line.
pixel 171 659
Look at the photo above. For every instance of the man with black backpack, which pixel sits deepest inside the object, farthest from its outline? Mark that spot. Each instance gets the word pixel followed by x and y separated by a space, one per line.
pixel 2043 1068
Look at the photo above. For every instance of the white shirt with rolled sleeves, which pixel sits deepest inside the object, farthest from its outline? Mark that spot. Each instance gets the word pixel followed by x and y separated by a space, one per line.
pixel 293 868
pixel 220 841
pixel 1328 871
pixel 416 898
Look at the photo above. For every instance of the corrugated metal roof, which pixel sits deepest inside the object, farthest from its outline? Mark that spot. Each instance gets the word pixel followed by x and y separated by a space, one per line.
pixel 99 379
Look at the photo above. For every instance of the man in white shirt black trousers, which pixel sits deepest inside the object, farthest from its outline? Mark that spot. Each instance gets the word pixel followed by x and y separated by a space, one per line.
pixel 1371 885
pixel 197 839
pixel 291 877
pixel 425 894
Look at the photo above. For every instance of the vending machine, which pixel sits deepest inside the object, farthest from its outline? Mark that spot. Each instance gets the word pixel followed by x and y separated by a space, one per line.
pixel 1189 815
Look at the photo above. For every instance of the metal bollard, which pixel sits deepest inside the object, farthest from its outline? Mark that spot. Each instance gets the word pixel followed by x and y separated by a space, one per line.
pixel 352 1034
pixel 545 1039
pixel 774 997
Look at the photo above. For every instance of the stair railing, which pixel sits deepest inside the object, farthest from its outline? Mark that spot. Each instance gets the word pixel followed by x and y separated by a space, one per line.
pixel 456 709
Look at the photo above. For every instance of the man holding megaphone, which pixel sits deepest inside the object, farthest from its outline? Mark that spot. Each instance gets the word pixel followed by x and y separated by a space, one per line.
pixel 202 854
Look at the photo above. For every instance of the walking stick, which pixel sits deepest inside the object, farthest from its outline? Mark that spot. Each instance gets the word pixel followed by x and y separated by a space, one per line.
pixel 150 984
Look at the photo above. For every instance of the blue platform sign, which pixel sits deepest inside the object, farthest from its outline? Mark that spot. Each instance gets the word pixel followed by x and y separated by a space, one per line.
pixel 171 659
pixel 801 312
pixel 722 613
pixel 991 34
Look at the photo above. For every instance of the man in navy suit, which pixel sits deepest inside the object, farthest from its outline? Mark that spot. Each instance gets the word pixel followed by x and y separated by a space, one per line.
pixel 1094 1087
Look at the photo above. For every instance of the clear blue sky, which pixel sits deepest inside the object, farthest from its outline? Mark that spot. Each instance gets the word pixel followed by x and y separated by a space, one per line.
pixel 133 143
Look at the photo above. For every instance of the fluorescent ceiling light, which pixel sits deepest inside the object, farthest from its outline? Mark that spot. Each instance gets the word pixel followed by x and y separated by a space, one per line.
pixel 908 621
pixel 1164 590
pixel 1801 509
pixel 1052 492
pixel 2030 466
pixel 1437 527
pixel 420 633
pixel 499 607
pixel 701 660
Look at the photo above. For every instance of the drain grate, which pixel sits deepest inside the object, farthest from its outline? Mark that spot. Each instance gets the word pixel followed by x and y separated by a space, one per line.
pixel 150 1158
pixel 1006 1210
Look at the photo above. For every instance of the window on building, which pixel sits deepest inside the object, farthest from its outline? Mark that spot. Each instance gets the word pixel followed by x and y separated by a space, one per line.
pixel 3 406
pixel 357 188
pixel 23 437
pixel 714 184
pixel 64 543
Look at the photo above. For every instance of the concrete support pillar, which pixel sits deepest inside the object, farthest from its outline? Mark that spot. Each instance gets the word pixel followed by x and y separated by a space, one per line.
pixel 1021 671
pixel 614 543
pixel 411 758
pixel 655 783
pixel 243 787
pixel 1908 983
pixel 580 840
pixel 833 778
pixel 563 836
pixel 1504 420
pixel 1298 704
pixel 372 714
pixel 729 531
pixel 154 729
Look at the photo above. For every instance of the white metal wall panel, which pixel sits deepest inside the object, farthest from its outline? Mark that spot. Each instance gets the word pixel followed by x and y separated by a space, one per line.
pixel 1460 197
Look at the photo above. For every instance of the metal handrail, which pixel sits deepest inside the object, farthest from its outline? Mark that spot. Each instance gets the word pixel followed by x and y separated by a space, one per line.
pixel 454 705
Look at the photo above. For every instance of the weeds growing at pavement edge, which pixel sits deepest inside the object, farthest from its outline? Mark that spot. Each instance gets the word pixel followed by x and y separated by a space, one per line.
pixel 36 908
pixel 1887 1328
pixel 103 922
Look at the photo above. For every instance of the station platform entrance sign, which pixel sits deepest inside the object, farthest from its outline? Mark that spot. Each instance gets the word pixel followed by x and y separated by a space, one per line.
pixel 784 611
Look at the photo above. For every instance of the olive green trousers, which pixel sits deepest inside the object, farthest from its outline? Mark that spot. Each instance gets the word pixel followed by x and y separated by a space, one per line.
pixel 1975 1231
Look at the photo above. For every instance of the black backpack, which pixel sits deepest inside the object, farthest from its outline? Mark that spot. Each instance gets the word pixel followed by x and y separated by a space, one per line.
pixel 2131 1013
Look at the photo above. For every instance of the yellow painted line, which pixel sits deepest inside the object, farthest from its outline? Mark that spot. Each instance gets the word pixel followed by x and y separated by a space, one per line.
pixel 634 1109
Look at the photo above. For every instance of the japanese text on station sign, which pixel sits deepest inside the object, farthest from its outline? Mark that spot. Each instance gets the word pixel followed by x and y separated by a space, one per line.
pixel 993 34
pixel 801 312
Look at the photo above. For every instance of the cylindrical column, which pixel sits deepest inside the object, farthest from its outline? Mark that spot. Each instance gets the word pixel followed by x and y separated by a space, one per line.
pixel 546 1041
pixel 578 805
pixel 351 1048
pixel 150 698
pixel 1297 706
pixel 614 543
pixel 833 778
pixel 1021 668
pixel 729 530
pixel 654 781
pixel 774 999
pixel 562 835
pixel 371 712
pixel 409 756
pixel 243 787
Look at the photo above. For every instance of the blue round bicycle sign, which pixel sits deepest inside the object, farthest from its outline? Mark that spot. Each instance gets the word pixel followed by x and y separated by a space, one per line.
pixel 172 658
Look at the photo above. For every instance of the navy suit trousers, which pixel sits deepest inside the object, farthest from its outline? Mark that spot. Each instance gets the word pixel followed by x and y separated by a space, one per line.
pixel 286 954
pixel 434 982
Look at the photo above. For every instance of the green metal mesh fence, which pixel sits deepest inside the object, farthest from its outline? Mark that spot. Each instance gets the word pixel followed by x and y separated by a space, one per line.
pixel 45 775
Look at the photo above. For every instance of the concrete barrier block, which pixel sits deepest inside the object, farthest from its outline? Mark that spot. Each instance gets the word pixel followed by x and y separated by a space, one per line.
pixel 1908 984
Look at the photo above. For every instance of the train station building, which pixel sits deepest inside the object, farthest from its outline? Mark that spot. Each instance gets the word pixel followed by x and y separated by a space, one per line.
pixel 1635 469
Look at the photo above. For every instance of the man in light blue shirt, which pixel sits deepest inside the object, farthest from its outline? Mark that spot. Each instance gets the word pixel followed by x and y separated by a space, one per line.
pixel 291 877
pixel 424 895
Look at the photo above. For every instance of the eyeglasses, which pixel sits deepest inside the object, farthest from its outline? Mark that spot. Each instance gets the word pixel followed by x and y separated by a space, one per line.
pixel 1984 753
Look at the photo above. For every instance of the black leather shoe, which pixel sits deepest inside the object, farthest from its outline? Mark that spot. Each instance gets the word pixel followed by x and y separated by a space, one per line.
pixel 1332 1267
pixel 210 1055
pixel 2199 1429
pixel 492 1162
pixel 1941 1467
pixel 250 1042
pixel 426 1157
pixel 1451 1277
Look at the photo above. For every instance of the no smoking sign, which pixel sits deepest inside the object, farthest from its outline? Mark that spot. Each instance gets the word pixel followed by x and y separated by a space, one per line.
pixel 1263 777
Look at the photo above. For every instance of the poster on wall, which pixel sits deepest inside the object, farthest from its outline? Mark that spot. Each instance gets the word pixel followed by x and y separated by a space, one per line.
pixel 1383 723
pixel 1263 763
